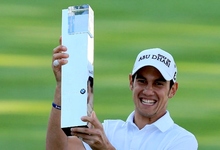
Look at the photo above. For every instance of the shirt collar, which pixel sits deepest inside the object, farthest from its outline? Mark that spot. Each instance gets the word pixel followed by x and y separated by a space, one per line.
pixel 163 123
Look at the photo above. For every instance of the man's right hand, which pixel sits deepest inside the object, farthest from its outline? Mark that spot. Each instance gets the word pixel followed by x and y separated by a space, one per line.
pixel 94 136
pixel 59 54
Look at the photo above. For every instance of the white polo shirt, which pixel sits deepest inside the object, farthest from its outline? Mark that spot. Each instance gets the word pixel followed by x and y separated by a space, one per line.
pixel 163 134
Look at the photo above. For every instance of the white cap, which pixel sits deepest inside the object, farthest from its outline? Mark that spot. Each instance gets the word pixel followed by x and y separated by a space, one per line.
pixel 159 59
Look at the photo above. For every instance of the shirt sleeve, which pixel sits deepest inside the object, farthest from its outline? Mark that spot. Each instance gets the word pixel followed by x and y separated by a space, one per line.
pixel 87 147
pixel 185 143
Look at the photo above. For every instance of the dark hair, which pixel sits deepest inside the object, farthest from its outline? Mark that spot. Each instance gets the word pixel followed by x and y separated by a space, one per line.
pixel 171 81
pixel 91 81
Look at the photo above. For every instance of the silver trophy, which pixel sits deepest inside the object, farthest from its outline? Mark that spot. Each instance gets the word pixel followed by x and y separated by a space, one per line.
pixel 77 75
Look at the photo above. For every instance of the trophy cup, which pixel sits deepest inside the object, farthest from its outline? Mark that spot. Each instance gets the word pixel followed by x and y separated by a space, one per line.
pixel 77 74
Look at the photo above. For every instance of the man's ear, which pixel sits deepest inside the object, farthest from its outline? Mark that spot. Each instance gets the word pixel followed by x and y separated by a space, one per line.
pixel 130 82
pixel 173 90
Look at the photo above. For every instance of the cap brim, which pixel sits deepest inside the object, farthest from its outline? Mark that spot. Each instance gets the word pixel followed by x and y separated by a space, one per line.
pixel 161 70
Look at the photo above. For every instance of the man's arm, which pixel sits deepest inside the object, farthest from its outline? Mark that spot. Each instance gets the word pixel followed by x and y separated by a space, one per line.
pixel 56 138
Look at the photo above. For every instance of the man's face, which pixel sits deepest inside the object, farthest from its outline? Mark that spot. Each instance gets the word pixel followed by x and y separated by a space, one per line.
pixel 150 94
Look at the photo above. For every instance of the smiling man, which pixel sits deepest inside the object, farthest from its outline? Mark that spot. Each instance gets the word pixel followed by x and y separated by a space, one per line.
pixel 153 82
pixel 149 126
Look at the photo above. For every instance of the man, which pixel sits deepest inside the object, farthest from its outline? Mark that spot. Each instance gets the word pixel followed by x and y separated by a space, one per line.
pixel 149 126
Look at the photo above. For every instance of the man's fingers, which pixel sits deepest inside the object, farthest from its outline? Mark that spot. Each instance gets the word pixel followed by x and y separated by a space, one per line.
pixel 60 56
pixel 86 133
pixel 79 132
pixel 59 62
pixel 89 139
pixel 56 63
pixel 60 40
pixel 93 120
pixel 59 49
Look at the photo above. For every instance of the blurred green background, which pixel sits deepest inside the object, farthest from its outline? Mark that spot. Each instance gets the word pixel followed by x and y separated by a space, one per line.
pixel 189 29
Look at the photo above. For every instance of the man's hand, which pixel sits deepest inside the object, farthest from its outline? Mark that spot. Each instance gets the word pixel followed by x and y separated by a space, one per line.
pixel 60 56
pixel 93 136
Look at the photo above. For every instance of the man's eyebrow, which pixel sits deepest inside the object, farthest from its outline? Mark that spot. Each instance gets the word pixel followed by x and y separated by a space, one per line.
pixel 140 76
pixel 161 79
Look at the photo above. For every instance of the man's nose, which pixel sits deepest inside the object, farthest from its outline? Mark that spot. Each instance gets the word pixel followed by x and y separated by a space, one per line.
pixel 148 90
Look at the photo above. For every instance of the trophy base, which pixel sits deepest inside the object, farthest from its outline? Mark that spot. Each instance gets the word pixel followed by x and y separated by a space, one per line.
pixel 68 132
